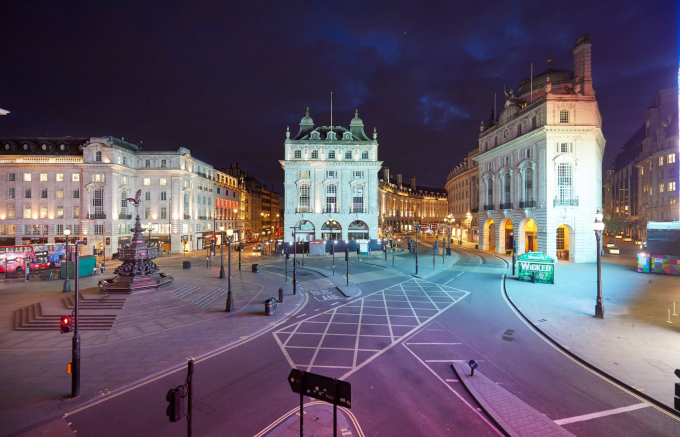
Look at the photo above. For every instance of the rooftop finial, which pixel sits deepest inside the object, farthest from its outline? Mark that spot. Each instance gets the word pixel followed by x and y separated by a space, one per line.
pixel 356 113
pixel 287 131
pixel 375 134
pixel 307 111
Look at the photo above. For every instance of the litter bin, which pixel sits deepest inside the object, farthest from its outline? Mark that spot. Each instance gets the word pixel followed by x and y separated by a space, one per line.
pixel 270 307
pixel 186 265
pixel 256 268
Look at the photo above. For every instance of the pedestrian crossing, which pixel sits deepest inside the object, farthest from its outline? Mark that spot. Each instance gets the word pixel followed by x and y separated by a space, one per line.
pixel 207 300
pixel 185 291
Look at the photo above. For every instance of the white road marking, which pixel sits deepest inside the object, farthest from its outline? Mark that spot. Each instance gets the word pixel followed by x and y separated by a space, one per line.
pixel 301 316
pixel 477 410
pixel 431 343
pixel 451 380
pixel 335 303
pixel 601 414
pixel 450 361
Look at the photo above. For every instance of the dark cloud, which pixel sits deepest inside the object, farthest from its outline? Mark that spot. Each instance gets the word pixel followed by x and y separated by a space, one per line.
pixel 225 78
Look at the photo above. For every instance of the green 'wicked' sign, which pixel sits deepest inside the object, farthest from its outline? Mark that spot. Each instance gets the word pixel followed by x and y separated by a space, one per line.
pixel 536 267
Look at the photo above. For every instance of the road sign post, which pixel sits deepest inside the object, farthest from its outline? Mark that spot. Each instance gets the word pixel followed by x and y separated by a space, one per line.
pixel 347 261
pixel 324 389
pixel 473 365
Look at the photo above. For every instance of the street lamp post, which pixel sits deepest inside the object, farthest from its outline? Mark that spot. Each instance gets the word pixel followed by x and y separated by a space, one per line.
pixel 416 248
pixel 151 225
pixel 230 299
pixel 222 252
pixel 448 221
pixel 598 227
pixel 67 284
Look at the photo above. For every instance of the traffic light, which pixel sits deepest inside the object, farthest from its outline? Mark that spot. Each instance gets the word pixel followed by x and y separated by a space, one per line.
pixel 174 410
pixel 66 324
pixel 346 254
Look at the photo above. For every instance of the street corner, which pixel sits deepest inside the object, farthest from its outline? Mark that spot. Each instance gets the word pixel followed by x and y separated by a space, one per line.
pixel 317 422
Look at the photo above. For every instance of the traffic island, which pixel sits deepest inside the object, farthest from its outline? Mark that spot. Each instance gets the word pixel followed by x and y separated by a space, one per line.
pixel 318 422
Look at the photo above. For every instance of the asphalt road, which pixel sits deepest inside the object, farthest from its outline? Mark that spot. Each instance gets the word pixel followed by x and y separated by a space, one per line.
pixel 398 365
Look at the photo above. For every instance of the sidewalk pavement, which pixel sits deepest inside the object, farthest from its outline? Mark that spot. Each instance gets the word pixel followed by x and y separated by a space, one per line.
pixel 155 332
pixel 634 342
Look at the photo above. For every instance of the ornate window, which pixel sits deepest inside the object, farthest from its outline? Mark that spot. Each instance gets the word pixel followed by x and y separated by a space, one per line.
pixel 298 154
pixel 529 185
pixel 331 198
pixel 519 129
pixel 358 230
pixel 331 154
pixel 533 122
pixel 564 183
pixel 564 116
pixel 348 154
pixel 303 198
pixel 98 156
pixel 358 199
pixel 508 184
pixel 315 154
pixel 364 154
pixel 98 201
pixel 489 192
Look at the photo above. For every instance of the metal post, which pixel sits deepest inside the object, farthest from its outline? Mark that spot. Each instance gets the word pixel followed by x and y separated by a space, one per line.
pixel 75 346
pixel 67 284
pixel 239 256
pixel 347 258
pixel 190 387
pixel 230 299
pixel 335 407
pixel 302 390
pixel 416 250
pixel 222 254
pixel 599 306
pixel 294 260
pixel 514 255
pixel 286 258
pixel 333 253
pixel 394 247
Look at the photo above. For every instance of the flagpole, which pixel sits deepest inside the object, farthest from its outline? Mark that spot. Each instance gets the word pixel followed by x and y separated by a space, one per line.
pixel 531 86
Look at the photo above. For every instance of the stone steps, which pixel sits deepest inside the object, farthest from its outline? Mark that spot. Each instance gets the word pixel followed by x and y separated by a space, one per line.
pixel 32 318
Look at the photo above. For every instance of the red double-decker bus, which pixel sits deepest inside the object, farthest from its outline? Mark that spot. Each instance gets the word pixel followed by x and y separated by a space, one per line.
pixel 15 258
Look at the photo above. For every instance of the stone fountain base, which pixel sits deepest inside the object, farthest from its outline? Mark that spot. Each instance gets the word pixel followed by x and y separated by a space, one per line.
pixel 135 284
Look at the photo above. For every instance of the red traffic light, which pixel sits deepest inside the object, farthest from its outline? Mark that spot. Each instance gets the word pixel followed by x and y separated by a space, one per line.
pixel 66 323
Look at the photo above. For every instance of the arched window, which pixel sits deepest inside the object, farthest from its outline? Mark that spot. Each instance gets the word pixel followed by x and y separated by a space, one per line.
pixel 358 199
pixel 98 156
pixel 489 192
pixel 564 116
pixel 331 230
pixel 358 230
pixel 303 200
pixel 564 183
pixel 331 199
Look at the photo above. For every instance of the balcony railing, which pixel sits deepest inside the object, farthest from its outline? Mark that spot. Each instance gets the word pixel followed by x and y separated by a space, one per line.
pixel 527 204
pixel 203 217
pixel 330 209
pixel 303 209
pixel 357 209
pixel 97 216
pixel 187 217
pixel 489 207
pixel 507 205
pixel 565 202
pixel 474 210
pixel 124 216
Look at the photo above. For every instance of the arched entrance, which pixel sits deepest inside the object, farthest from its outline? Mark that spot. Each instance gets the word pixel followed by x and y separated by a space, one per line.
pixel 305 231
pixel 530 236
pixel 358 230
pixel 490 235
pixel 565 242
pixel 331 230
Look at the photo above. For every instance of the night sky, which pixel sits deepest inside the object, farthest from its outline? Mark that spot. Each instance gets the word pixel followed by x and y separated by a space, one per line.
pixel 225 78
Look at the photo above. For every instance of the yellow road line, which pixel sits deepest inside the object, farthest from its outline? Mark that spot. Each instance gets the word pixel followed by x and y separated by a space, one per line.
pixel 309 404
pixel 86 406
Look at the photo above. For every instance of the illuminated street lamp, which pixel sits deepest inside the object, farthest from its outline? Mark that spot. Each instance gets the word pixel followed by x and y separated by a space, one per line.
pixel 598 227
pixel 67 284
pixel 449 219
pixel 222 252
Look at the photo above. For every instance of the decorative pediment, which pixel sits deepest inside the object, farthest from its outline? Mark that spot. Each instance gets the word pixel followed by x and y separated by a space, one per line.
pixel 94 186
pixel 331 136
pixel 347 136
pixel 315 136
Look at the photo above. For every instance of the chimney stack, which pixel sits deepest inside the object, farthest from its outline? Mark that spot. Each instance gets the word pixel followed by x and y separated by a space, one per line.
pixel 582 65
pixel 413 183
pixel 386 174
pixel 399 179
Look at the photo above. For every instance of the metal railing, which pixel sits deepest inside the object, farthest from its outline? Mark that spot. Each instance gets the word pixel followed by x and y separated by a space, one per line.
pixel 474 210
pixel 506 205
pixel 124 216
pixel 303 209
pixel 96 216
pixel 355 210
pixel 203 217
pixel 527 204
pixel 329 210
pixel 187 217
pixel 489 207
pixel 565 202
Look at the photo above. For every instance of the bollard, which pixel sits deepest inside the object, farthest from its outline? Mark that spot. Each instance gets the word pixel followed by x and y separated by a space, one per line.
pixel 280 295
pixel 674 314
pixel 669 316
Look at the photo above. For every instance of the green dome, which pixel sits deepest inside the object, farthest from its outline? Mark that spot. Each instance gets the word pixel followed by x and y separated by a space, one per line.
pixel 556 77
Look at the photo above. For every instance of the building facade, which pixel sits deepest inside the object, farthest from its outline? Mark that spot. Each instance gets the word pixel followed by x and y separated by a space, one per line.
pixel 540 165
pixel 81 184
pixel 462 188
pixel 657 165
pixel 331 182
pixel 401 207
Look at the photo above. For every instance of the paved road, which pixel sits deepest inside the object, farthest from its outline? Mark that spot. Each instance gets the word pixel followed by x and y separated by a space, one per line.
pixel 394 344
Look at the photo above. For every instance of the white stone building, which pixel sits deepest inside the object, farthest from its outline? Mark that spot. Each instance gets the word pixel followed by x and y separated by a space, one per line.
pixel 540 165
pixel 331 173
pixel 53 184
pixel 462 188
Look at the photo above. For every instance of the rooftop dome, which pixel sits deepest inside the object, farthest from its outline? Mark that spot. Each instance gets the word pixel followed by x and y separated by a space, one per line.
pixel 307 120
pixel 556 77
pixel 356 121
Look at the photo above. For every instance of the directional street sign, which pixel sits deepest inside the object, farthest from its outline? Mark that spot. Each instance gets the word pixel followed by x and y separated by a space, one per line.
pixel 321 387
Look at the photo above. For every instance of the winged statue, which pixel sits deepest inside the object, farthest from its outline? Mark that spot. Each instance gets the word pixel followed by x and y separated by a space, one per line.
pixel 137 200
